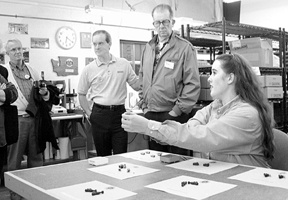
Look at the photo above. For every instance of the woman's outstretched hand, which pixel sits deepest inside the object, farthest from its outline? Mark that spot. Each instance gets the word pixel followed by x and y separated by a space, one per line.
pixel 131 122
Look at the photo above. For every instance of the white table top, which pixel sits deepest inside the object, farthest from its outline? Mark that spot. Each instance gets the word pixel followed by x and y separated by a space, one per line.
pixel 33 184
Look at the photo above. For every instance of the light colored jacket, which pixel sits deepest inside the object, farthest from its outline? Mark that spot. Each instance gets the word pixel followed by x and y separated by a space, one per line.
pixel 21 102
pixel 229 133
pixel 176 82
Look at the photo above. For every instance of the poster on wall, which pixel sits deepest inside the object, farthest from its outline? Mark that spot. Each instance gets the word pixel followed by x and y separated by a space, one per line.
pixel 40 43
pixel 85 39
pixel 2 58
pixel 65 66
pixel 18 28
pixel 26 54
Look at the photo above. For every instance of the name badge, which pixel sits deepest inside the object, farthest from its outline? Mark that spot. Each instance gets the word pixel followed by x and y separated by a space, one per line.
pixel 169 65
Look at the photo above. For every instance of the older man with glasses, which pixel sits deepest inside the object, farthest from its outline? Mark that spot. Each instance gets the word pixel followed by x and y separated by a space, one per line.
pixel 33 105
pixel 169 76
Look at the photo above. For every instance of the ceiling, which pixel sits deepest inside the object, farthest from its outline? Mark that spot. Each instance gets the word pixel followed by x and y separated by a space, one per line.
pixel 211 10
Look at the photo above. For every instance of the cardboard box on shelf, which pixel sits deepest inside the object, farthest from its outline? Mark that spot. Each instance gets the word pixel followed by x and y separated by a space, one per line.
pixel 257 51
pixel 270 80
pixel 273 92
pixel 203 63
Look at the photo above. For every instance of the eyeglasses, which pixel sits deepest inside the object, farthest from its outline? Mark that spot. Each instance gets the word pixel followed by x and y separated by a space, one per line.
pixel 165 22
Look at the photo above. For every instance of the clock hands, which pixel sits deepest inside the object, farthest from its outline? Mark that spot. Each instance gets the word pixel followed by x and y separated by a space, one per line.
pixel 67 38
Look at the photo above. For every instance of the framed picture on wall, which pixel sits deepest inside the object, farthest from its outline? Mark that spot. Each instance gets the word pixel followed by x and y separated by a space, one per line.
pixel 85 40
pixel 26 54
pixel 40 43
pixel 2 58
pixel 18 28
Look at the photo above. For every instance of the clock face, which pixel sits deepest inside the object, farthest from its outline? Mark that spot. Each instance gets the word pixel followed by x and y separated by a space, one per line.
pixel 66 37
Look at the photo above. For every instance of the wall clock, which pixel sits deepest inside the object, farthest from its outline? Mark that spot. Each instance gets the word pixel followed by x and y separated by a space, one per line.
pixel 66 37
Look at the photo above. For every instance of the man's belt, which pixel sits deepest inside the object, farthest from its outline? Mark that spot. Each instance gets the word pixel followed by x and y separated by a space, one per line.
pixel 24 115
pixel 112 107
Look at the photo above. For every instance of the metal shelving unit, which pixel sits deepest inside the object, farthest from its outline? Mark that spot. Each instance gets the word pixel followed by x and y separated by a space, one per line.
pixel 239 30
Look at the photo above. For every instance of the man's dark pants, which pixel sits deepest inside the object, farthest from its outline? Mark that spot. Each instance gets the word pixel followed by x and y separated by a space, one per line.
pixel 161 117
pixel 108 135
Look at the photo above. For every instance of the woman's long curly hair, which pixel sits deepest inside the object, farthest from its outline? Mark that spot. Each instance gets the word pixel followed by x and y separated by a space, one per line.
pixel 248 88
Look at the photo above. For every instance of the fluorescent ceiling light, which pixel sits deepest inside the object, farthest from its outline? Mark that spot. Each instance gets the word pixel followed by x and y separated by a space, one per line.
pixel 230 1
pixel 118 16
pixel 103 11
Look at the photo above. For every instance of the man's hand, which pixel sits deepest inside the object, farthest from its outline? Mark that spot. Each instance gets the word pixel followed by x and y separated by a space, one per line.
pixel 43 91
pixel 88 114
pixel 3 86
pixel 145 110
pixel 2 93
pixel 172 113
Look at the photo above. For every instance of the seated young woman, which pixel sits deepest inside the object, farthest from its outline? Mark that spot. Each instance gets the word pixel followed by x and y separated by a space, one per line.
pixel 236 127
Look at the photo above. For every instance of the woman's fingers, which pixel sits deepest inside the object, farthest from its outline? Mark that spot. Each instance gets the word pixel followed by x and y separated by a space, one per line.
pixel 124 117
pixel 125 123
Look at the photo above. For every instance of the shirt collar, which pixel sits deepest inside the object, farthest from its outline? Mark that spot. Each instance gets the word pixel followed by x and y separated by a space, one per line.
pixel 99 63
pixel 17 67
pixel 217 104
pixel 166 42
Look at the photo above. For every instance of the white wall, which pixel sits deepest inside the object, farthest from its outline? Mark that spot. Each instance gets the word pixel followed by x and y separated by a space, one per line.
pixel 201 10
pixel 265 13
pixel 40 28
